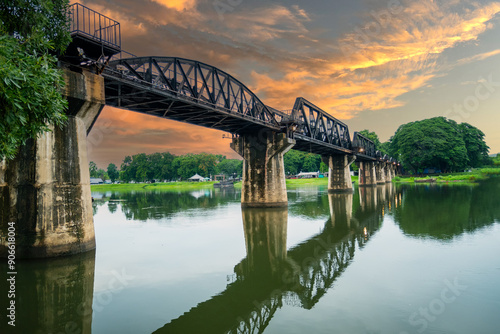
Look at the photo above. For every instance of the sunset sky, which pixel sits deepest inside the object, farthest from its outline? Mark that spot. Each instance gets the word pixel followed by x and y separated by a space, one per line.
pixel 372 64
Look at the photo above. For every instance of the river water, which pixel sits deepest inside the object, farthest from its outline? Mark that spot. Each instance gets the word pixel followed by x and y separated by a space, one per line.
pixel 388 259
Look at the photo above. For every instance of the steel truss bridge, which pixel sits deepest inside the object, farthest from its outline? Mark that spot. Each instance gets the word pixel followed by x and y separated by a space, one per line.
pixel 197 93
pixel 310 268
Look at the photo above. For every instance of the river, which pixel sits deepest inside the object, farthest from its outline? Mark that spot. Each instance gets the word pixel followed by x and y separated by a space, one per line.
pixel 389 259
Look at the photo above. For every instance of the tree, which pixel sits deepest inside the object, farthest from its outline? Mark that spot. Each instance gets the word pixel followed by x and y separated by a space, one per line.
pixel 311 162
pixel 496 160
pixel 93 169
pixel 101 173
pixel 30 85
pixel 382 147
pixel 430 143
pixel 113 172
pixel 477 150
pixel 230 167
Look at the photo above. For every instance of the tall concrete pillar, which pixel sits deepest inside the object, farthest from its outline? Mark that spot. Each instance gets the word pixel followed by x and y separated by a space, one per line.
pixel 380 172
pixel 393 170
pixel 46 189
pixel 367 174
pixel 339 175
pixel 387 171
pixel 263 182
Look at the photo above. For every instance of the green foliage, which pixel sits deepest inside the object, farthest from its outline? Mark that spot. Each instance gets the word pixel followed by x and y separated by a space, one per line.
pixel 435 142
pixel 165 166
pixel 113 172
pixel 30 83
pixel 298 161
pixel 40 25
pixel 477 150
pixel 374 138
pixel 230 167
pixel 496 160
pixel 93 169
pixel 101 173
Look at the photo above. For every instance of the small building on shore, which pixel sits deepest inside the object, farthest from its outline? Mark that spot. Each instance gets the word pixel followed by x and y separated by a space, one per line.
pixel 96 180
pixel 308 175
pixel 196 178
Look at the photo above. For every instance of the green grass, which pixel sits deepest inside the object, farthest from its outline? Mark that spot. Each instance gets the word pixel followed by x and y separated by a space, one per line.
pixel 465 177
pixel 471 177
pixel 172 186
pixel 181 186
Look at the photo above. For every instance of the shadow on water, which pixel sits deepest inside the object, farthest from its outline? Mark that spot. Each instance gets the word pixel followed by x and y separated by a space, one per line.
pixel 53 296
pixel 272 275
pixel 444 212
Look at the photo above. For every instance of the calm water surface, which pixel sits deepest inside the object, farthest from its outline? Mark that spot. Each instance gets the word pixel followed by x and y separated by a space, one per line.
pixel 405 259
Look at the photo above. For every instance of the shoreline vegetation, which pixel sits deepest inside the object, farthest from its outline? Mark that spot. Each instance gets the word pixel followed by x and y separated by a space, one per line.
pixel 454 178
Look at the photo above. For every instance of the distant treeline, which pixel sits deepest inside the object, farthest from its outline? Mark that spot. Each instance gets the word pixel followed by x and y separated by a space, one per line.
pixel 437 143
pixel 166 166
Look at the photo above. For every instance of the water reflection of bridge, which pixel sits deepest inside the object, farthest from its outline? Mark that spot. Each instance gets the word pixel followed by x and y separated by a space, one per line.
pixel 271 275
pixel 63 289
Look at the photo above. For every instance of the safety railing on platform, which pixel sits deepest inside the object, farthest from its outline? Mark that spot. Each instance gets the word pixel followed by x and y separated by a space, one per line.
pixel 95 26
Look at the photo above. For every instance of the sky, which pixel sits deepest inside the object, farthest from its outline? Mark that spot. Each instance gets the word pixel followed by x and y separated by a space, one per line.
pixel 372 64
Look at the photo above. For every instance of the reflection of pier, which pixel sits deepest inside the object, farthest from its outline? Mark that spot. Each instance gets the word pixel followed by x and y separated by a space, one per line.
pixel 53 296
pixel 271 276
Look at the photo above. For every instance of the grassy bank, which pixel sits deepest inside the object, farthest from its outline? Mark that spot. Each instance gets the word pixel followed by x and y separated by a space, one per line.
pixel 467 177
pixel 471 177
pixel 172 186
pixel 182 186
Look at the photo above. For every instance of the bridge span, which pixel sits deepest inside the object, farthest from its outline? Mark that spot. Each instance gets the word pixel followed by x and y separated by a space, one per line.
pixel 46 188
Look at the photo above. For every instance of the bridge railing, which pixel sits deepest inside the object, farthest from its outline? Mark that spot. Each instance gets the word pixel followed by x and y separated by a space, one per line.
pixel 94 26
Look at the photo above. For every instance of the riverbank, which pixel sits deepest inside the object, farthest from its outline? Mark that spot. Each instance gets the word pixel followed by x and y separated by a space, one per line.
pixel 466 177
pixel 470 177
pixel 181 186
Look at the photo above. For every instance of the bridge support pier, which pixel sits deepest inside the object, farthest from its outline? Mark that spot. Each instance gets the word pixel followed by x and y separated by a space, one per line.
pixel 45 190
pixel 339 176
pixel 367 173
pixel 393 168
pixel 380 172
pixel 387 172
pixel 263 182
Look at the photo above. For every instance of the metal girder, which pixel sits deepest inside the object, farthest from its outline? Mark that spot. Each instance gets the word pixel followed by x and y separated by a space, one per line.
pixel 364 147
pixel 145 81
pixel 194 92
pixel 317 125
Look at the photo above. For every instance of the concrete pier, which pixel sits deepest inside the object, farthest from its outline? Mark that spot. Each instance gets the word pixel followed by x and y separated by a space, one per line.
pixel 339 176
pixel 367 173
pixel 45 190
pixel 380 172
pixel 263 182
pixel 387 172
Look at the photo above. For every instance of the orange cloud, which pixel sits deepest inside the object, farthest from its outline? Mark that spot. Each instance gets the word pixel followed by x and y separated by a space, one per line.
pixel 378 67
pixel 179 5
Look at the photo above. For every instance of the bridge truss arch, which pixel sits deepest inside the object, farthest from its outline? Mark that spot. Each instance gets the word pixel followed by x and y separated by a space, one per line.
pixel 188 91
